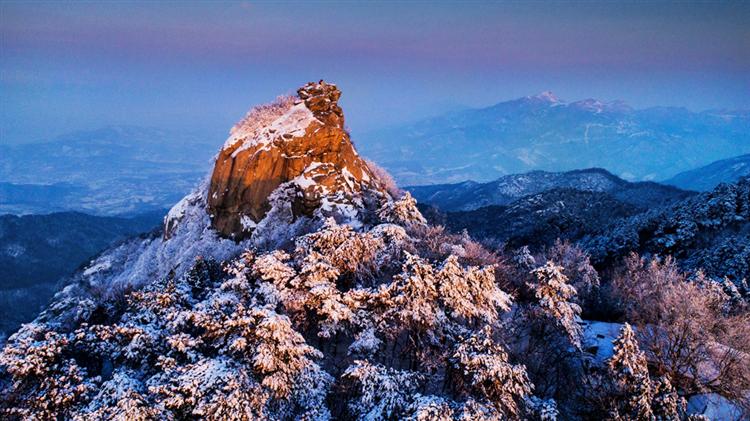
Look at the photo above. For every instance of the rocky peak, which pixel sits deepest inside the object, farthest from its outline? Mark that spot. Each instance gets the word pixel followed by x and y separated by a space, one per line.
pixel 300 143
pixel 322 99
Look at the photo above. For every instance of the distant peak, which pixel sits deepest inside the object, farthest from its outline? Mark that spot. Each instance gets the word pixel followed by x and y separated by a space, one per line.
pixel 597 106
pixel 546 96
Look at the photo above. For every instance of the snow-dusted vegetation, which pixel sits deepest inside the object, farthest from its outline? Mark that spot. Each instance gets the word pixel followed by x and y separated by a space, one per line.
pixel 349 305
pixel 394 321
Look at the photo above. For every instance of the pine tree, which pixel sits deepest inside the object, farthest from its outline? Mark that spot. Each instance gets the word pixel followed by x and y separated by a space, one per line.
pixel 667 404
pixel 554 297
pixel 483 371
pixel 630 373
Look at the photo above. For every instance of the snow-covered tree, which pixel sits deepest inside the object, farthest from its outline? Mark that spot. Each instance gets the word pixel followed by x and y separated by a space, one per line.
pixel 630 373
pixel 359 254
pixel 377 392
pixel 48 381
pixel 317 280
pixel 471 294
pixel 554 299
pixel 413 297
pixel 429 408
pixel 542 409
pixel 281 355
pixel 578 269
pixel 667 405
pixel 272 268
pixel 210 389
pixel 402 211
pixel 482 370
pixel 524 259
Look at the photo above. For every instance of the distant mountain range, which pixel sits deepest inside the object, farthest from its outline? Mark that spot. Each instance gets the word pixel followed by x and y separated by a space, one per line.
pixel 114 170
pixel 544 133
pixel 127 169
pixel 710 230
pixel 707 177
pixel 36 251
pixel 471 195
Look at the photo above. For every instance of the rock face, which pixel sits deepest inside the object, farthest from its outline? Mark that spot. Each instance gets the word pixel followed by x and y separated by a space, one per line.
pixel 297 140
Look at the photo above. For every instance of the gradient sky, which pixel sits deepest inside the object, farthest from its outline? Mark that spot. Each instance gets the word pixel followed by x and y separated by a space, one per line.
pixel 201 65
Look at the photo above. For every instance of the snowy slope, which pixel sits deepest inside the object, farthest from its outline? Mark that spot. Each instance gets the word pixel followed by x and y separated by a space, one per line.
pixel 471 195
pixel 707 177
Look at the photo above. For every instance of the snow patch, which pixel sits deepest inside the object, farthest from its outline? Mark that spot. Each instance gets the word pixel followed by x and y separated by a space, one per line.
pixel 247 223
pixel 98 266
pixel 292 123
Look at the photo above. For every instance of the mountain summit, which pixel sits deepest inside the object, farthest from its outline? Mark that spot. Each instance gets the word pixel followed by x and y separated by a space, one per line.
pixel 300 140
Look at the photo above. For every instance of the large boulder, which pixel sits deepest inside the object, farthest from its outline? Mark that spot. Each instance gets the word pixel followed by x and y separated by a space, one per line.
pixel 298 140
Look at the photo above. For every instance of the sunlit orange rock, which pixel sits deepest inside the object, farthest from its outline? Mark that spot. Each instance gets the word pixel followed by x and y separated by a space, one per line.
pixel 299 139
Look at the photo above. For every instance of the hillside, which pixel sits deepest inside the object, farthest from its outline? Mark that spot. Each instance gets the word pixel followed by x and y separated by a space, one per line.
pixel 296 283
pixel 503 191
pixel 710 231
pixel 538 220
pixel 545 133
pixel 37 251
pixel 707 177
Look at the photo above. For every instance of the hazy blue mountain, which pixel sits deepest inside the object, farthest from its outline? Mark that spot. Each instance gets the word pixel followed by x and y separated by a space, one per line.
pixel 544 133
pixel 707 177
pixel 109 171
pixel 539 219
pixel 36 251
pixel 505 190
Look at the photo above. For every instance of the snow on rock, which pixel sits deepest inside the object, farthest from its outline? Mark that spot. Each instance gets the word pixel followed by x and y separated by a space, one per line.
pixel 714 407
pixel 598 338
pixel 292 123
pixel 300 140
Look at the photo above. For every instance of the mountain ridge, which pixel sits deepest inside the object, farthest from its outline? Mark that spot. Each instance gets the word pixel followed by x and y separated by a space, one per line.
pixel 707 177
pixel 472 195
pixel 530 133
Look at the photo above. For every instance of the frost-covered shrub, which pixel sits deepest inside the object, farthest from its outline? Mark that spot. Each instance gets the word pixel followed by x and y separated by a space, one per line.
pixel 684 328
pixel 555 300
pixel 377 392
pixel 402 211
pixel 258 118
pixel 384 178
pixel 482 370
